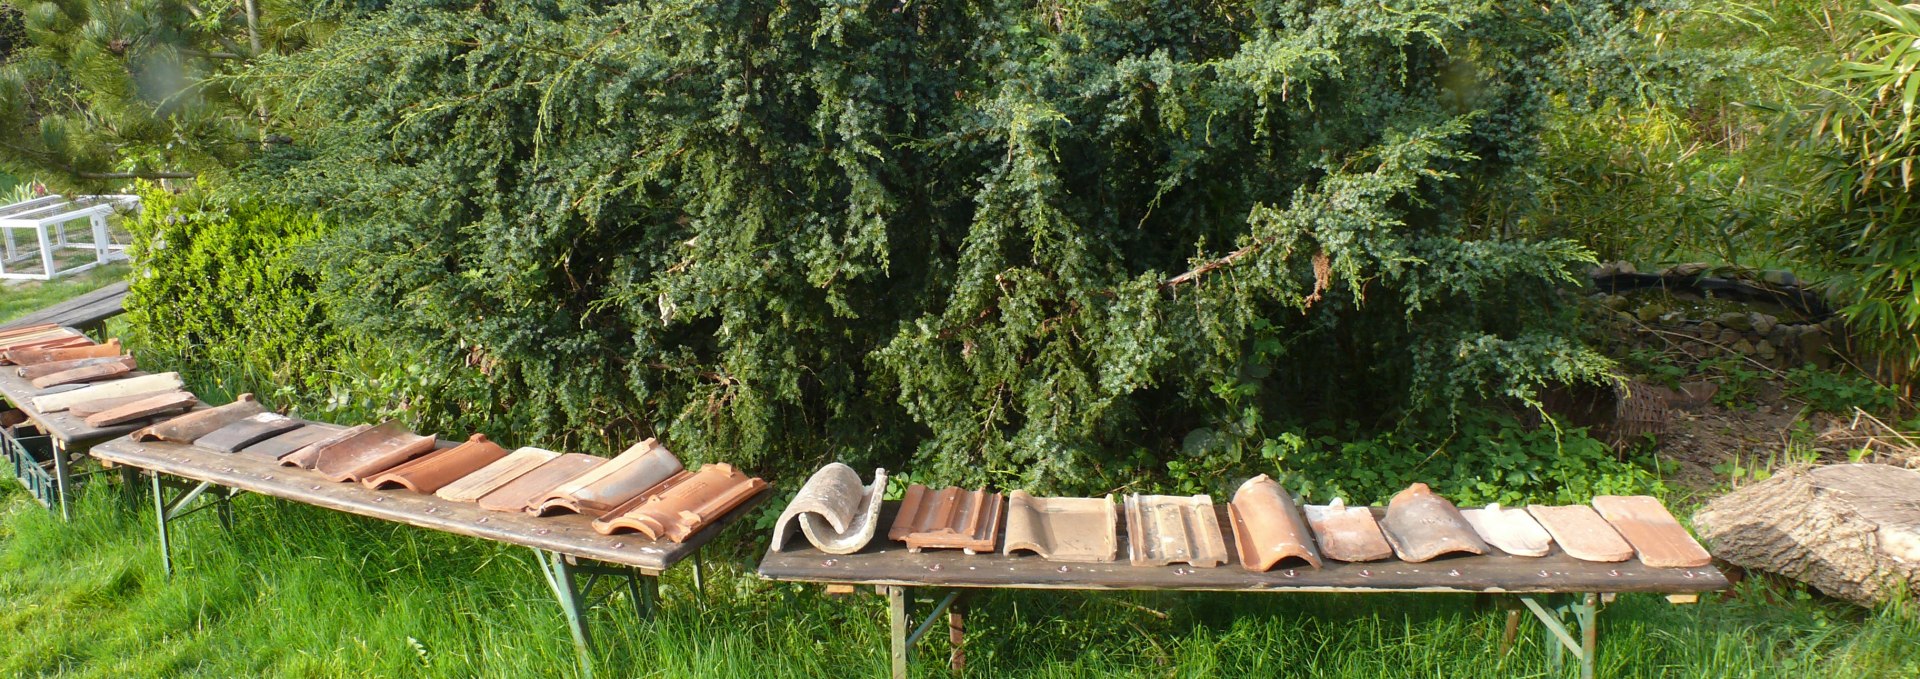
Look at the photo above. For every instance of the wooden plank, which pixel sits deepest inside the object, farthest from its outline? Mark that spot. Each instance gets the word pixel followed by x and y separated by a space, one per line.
pixel 567 534
pixel 887 563
pixel 85 310
pixel 71 431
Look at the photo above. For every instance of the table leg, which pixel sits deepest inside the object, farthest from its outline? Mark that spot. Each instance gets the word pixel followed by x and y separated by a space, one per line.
pixel 1512 629
pixel 957 636
pixel 160 516
pixel 1584 609
pixel 560 577
pixel 899 608
pixel 62 478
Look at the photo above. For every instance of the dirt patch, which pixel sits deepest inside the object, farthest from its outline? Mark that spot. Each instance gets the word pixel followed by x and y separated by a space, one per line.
pixel 1708 445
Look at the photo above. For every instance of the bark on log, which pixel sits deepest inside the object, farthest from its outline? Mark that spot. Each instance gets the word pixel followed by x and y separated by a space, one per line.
pixel 1851 530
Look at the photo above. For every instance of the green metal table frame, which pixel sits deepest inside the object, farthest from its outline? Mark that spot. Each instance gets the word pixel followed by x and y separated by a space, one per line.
pixel 53 482
pixel 563 572
pixel 1561 614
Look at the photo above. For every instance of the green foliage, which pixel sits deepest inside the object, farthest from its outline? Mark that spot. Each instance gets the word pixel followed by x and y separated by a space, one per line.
pixel 93 92
pixel 1008 241
pixel 1839 393
pixel 1489 458
pixel 1866 127
pixel 226 288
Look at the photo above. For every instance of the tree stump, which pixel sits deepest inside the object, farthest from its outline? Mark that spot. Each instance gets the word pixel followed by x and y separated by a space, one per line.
pixel 1851 530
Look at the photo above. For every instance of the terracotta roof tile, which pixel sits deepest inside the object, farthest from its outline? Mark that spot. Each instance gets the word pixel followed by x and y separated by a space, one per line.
pixel 92 373
pixel 684 504
pixel 370 452
pixel 1509 529
pixel 1660 540
pixel 190 428
pixel 1078 529
pixel 1347 533
pixel 519 494
pixel 284 444
pixel 305 456
pixel 473 486
pixel 1167 529
pixel 247 432
pixel 433 471
pixel 835 512
pixel 167 403
pixel 610 485
pixel 83 348
pixel 144 384
pixel 40 370
pixel 1268 527
pixel 953 518
pixel 1581 533
pixel 1423 526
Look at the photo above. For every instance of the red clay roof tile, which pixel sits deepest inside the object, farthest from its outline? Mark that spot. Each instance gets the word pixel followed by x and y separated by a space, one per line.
pixel 1268 527
pixel 684 504
pixel 429 473
pixel 1581 533
pixel 370 452
pixel 610 485
pixel 1347 533
pixel 519 494
pixel 1660 541
pixel 191 427
pixel 476 485
pixel 1423 526
pixel 953 518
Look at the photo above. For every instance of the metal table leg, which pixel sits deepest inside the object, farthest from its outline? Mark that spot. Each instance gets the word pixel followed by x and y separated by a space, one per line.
pixel 899 606
pixel 62 478
pixel 564 574
pixel 167 512
pixel 1585 610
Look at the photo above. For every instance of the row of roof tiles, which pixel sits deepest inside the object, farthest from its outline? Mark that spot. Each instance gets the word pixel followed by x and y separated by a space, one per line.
pixel 839 514
pixel 645 489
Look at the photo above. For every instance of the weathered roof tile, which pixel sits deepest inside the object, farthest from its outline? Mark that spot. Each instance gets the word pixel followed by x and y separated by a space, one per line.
pixel 679 507
pixel 1509 529
pixel 644 465
pixel 837 514
pixel 143 384
pixel 247 432
pixel 1078 529
pixel 1581 532
pixel 1167 529
pixel 472 487
pixel 1347 533
pixel 191 427
pixel 280 446
pixel 370 452
pixel 166 403
pixel 1660 540
pixel 520 494
pixel 93 373
pixel 1423 526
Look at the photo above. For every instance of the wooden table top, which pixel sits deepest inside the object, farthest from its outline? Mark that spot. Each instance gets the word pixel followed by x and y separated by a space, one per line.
pixel 885 562
pixel 569 534
pixel 69 430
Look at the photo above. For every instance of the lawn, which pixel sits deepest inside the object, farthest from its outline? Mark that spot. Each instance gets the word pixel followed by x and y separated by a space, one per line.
pixel 20 299
pixel 299 591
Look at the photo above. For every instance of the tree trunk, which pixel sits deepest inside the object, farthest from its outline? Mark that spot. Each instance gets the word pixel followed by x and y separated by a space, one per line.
pixel 1851 531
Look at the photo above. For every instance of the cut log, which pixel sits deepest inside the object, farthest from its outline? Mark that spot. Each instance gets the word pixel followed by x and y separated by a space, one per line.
pixel 1850 530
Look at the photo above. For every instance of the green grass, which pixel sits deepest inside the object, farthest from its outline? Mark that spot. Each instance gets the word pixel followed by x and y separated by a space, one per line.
pixel 300 591
pixel 22 299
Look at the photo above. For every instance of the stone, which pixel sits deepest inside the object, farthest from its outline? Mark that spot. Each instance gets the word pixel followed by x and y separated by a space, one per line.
pixel 1614 302
pixel 1727 337
pixel 1687 270
pixel 1709 329
pixel 1763 323
pixel 1743 347
pixel 1735 320
pixel 1765 350
pixel 1614 268
pixel 1780 277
